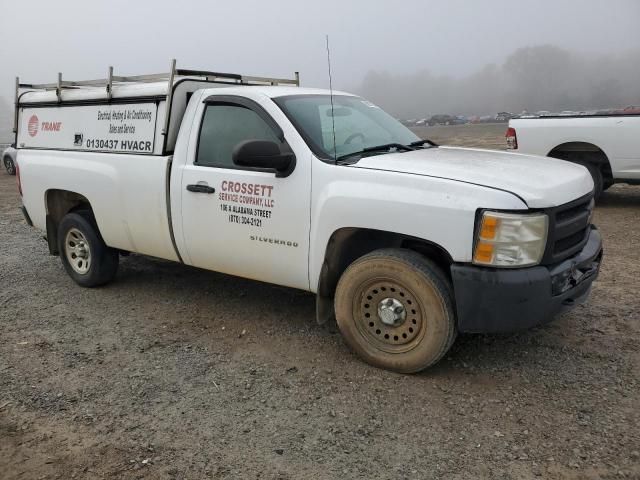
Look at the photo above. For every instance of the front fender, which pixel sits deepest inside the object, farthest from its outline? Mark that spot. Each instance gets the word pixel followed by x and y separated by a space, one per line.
pixel 437 210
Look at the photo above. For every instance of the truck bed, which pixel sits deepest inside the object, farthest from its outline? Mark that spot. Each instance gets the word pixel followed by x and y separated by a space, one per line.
pixel 127 193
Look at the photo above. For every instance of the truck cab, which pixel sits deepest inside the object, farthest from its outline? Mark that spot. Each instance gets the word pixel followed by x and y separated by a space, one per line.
pixel 405 243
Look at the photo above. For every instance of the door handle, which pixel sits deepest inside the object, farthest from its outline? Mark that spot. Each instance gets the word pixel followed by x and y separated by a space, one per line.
pixel 200 188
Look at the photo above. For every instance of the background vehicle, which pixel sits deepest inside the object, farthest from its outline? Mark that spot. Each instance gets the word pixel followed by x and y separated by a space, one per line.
pixel 631 109
pixel 9 159
pixel 503 116
pixel 441 119
pixel 403 242
pixel 607 145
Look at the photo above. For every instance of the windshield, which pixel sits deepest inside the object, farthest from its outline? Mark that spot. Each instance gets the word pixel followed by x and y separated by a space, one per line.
pixel 359 124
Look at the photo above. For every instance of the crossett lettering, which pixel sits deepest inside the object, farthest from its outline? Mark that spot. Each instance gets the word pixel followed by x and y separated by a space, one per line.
pixel 247 188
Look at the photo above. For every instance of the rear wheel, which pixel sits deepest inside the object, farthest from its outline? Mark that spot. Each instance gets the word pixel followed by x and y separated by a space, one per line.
pixel 84 254
pixel 598 178
pixel 594 161
pixel 9 165
pixel 394 308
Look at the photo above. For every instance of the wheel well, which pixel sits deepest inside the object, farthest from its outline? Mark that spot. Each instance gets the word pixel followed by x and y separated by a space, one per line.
pixel 348 244
pixel 58 203
pixel 581 152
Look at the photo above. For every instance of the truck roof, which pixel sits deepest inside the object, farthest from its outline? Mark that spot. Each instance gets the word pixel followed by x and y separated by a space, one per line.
pixel 275 91
pixel 159 89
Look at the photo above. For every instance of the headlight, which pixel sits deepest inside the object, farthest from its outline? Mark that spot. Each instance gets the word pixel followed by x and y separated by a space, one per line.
pixel 510 239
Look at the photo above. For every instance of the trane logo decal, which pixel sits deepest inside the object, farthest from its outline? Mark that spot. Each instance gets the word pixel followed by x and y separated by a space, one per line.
pixel 51 126
pixel 33 126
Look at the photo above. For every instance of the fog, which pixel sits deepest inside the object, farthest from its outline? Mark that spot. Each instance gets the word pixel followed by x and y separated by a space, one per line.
pixel 414 57
pixel 531 78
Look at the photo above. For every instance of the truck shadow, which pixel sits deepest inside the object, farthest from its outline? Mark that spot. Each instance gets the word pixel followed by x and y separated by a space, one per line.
pixel 182 285
pixel 259 306
pixel 620 196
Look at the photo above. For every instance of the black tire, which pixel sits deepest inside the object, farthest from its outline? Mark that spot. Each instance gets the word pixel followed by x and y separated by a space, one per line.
pixel 403 281
pixel 595 162
pixel 598 179
pixel 77 235
pixel 9 165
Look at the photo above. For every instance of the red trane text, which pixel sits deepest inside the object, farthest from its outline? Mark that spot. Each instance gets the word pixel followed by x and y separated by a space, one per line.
pixel 51 126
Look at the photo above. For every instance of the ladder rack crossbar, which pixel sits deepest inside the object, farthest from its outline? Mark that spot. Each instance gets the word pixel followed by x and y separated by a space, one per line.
pixel 115 80
pixel 157 77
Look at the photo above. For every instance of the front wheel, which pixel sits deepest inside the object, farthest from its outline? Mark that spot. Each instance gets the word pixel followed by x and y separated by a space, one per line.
pixel 9 165
pixel 395 309
pixel 85 257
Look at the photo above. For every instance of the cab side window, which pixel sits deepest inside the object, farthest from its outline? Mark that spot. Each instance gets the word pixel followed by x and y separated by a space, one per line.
pixel 223 127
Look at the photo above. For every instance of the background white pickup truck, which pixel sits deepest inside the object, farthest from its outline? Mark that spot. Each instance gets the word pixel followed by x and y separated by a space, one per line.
pixel 607 145
pixel 405 242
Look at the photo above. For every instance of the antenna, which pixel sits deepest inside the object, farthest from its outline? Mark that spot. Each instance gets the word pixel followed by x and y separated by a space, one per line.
pixel 333 120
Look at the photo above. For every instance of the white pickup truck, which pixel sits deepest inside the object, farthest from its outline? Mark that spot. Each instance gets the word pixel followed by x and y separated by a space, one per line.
pixel 404 242
pixel 607 145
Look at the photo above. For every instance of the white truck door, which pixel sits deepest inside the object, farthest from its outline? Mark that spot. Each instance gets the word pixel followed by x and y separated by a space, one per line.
pixel 240 220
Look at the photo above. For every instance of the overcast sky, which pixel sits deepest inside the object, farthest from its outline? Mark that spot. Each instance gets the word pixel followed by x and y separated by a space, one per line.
pixel 81 38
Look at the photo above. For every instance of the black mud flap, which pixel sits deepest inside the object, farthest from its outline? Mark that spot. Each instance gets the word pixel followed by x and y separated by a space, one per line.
pixel 26 216
pixel 52 236
pixel 324 309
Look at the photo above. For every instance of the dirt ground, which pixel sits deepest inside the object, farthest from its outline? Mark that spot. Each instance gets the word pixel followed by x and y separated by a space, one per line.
pixel 176 373
pixel 482 135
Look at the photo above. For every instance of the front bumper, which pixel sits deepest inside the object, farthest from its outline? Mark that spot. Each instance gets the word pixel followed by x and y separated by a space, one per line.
pixel 502 300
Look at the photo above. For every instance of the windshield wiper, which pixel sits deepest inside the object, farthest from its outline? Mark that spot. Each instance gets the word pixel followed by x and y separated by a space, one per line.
pixel 378 148
pixel 387 146
pixel 421 143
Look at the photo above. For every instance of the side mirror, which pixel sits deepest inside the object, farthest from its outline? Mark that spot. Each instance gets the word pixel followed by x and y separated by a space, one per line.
pixel 264 154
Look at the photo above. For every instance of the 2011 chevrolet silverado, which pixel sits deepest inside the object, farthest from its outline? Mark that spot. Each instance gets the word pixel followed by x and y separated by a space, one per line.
pixel 404 242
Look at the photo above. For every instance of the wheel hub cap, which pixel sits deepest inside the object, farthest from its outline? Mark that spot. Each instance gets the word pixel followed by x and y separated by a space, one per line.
pixel 77 251
pixel 389 316
pixel 391 312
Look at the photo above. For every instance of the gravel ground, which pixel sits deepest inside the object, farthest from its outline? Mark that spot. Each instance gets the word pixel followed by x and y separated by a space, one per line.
pixel 173 372
pixel 482 135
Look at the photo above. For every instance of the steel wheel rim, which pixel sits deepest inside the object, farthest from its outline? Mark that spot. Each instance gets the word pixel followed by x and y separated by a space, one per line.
pixel 400 337
pixel 77 251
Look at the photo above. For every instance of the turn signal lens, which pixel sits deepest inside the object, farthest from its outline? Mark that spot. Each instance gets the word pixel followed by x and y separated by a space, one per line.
pixel 510 239
pixel 489 228
pixel 484 253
